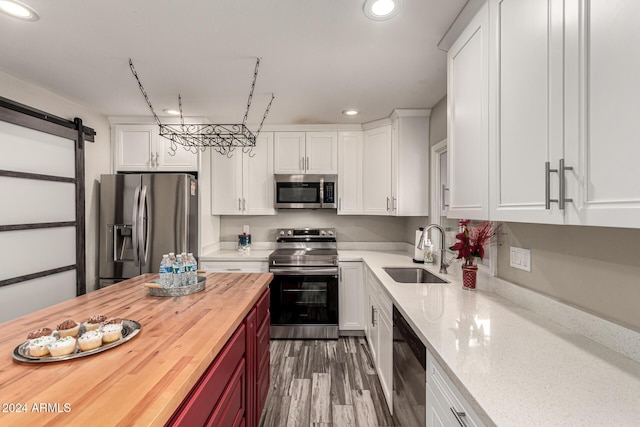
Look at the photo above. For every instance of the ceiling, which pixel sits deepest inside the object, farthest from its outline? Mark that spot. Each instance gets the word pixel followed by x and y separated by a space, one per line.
pixel 318 57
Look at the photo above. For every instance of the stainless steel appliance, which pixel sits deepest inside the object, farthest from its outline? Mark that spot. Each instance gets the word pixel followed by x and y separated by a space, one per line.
pixel 306 191
pixel 304 290
pixel 142 217
pixel 409 374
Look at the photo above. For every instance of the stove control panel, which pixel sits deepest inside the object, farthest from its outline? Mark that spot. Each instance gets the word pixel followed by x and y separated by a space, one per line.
pixel 306 234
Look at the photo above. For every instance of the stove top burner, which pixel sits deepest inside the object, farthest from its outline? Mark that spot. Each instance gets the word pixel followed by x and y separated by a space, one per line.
pixel 305 247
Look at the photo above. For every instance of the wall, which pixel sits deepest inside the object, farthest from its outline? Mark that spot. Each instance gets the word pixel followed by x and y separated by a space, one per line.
pixel 437 132
pixel 596 269
pixel 209 224
pixel 349 228
pixel 97 154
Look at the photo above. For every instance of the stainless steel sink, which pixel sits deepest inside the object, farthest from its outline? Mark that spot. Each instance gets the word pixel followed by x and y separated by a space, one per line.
pixel 412 275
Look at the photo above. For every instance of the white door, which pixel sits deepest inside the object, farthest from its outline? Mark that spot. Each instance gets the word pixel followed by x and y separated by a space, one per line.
pixel 377 171
pixel 350 173
pixel 258 183
pixel 134 145
pixel 603 111
pixel 321 153
pixel 226 183
pixel 527 105
pixel 351 296
pixel 468 103
pixel 180 160
pixel 289 150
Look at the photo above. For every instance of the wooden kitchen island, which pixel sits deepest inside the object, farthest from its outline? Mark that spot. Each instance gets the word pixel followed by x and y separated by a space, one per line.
pixel 181 360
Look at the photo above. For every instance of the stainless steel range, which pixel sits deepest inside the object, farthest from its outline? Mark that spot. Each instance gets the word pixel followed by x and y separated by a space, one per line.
pixel 304 290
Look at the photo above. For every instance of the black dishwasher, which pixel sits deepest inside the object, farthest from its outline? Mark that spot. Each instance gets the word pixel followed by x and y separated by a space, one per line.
pixel 409 374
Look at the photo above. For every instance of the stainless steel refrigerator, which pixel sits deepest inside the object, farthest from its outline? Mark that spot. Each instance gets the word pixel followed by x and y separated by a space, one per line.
pixel 142 217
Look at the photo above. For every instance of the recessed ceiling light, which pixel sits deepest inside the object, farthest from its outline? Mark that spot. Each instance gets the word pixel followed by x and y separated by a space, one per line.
pixel 351 112
pixel 18 10
pixel 172 112
pixel 381 10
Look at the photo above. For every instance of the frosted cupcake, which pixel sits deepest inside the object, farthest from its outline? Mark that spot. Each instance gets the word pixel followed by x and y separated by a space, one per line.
pixel 90 340
pixel 111 330
pixel 94 322
pixel 39 347
pixel 68 328
pixel 63 346
pixel 39 333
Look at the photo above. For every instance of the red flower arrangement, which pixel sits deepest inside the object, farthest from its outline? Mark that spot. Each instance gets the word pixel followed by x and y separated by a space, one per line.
pixel 471 243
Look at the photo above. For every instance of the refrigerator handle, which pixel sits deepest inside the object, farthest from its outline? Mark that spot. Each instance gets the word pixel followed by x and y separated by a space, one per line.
pixel 134 218
pixel 145 226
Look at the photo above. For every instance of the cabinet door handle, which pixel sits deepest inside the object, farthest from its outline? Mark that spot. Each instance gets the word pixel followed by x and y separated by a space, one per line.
pixel 244 204
pixel 387 204
pixel 547 186
pixel 239 204
pixel 307 167
pixel 372 320
pixel 562 184
pixel 394 205
pixel 340 274
pixel 459 416
pixel 157 159
pixel 339 203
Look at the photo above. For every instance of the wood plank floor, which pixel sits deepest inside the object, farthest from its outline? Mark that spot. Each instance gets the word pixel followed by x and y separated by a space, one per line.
pixel 324 383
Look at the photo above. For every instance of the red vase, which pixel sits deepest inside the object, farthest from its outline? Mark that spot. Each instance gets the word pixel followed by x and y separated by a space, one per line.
pixel 469 273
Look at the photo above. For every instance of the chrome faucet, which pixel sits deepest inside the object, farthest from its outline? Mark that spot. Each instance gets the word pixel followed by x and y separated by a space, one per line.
pixel 443 261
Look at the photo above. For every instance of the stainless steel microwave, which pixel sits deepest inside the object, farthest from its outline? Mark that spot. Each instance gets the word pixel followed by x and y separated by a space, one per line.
pixel 306 191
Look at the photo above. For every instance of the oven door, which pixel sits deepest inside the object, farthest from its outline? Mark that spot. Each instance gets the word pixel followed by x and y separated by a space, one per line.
pixel 304 303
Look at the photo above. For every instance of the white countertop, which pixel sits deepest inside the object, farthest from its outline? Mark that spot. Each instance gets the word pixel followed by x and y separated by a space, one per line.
pixel 514 366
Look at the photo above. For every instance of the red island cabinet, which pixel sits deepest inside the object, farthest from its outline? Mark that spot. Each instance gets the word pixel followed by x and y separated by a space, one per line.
pixel 232 391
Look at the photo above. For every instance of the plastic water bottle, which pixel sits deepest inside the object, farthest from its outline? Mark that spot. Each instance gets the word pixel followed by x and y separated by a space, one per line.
pixel 172 260
pixel 166 272
pixel 192 277
pixel 178 272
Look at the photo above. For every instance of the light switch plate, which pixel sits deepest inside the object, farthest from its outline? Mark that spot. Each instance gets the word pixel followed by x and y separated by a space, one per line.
pixel 520 258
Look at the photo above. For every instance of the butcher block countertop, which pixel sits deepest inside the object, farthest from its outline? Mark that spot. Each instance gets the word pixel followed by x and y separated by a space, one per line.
pixel 142 381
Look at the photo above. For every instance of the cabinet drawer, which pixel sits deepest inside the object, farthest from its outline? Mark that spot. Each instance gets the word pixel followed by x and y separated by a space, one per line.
pixel 262 338
pixel 197 407
pixel 263 382
pixel 235 266
pixel 230 409
pixel 263 306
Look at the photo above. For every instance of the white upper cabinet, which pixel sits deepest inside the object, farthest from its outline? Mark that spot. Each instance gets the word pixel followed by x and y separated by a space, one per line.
pixel 377 171
pixel 602 128
pixel 350 152
pixel 410 162
pixel 468 133
pixel 243 183
pixel 526 104
pixel 306 152
pixel 139 148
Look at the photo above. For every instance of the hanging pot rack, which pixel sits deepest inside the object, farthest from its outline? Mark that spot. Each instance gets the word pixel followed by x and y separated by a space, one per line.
pixel 223 138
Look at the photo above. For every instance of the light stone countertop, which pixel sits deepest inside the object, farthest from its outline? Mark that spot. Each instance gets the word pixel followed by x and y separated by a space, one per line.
pixel 515 367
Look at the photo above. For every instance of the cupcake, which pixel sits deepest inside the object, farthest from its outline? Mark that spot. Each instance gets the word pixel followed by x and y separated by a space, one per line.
pixel 68 328
pixel 39 347
pixel 90 340
pixel 93 322
pixel 111 330
pixel 39 333
pixel 63 346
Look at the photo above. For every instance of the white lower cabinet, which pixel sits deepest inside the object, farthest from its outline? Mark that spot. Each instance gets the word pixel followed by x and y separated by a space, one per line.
pixel 233 266
pixel 379 332
pixel 351 297
pixel 445 404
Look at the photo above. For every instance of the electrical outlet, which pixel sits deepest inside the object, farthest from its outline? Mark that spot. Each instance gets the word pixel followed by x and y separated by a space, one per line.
pixel 520 258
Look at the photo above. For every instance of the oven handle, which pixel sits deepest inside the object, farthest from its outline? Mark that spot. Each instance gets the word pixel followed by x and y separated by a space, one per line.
pixel 302 271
